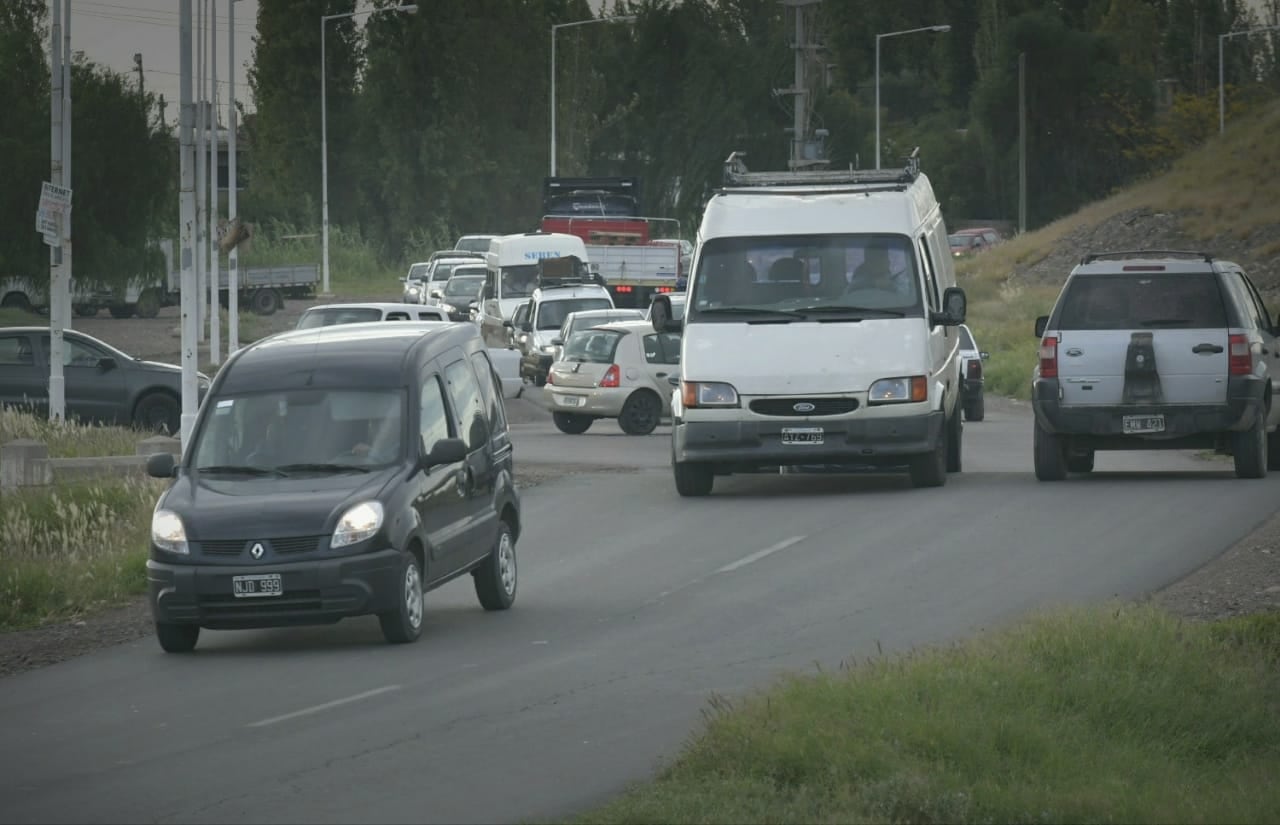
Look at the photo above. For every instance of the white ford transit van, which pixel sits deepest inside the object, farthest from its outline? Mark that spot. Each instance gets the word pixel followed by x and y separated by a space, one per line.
pixel 820 329
pixel 512 273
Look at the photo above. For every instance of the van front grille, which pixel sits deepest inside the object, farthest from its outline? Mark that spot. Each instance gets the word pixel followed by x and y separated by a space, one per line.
pixel 801 407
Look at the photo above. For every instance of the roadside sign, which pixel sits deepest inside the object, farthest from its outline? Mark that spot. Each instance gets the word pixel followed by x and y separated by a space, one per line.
pixel 55 206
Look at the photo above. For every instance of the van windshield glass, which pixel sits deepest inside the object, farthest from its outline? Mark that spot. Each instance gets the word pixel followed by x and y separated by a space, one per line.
pixel 551 314
pixel 292 432
pixel 858 275
pixel 328 317
pixel 519 281
pixel 459 287
pixel 1138 301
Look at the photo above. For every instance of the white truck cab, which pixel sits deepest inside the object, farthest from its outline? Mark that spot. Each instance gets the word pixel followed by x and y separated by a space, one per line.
pixel 513 264
pixel 820 329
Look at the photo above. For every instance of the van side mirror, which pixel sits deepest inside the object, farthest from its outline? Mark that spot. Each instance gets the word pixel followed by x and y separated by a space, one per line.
pixel 161 465
pixel 444 451
pixel 954 308
pixel 507 323
pixel 526 326
pixel 984 355
pixel 557 342
pixel 1042 323
pixel 662 317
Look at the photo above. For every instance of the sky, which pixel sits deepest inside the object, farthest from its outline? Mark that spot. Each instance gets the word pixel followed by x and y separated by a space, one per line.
pixel 110 32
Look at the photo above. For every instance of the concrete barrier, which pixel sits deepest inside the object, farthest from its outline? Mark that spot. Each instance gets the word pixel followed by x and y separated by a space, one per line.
pixel 26 463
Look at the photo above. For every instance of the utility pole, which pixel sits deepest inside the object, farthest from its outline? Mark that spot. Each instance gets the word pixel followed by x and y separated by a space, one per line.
pixel 1022 142
pixel 57 385
pixel 804 48
pixel 201 170
pixel 215 276
pixel 233 256
pixel 186 220
pixel 163 106
pixel 68 273
pixel 142 93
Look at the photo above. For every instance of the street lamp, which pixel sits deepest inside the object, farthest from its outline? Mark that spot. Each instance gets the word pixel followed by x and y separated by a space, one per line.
pixel 1222 100
pixel 324 138
pixel 554 28
pixel 879 37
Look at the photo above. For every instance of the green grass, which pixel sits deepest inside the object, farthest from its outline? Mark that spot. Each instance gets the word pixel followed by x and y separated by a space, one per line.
pixel 68 439
pixel 20 318
pixel 1111 715
pixel 72 549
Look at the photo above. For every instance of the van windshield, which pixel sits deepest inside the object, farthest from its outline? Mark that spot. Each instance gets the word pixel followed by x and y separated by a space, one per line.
pixel 459 286
pixel 519 281
pixel 551 314
pixel 291 432
pixel 802 276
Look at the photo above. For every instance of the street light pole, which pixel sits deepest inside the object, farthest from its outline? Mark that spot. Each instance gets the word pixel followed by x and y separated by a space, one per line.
pixel 233 256
pixel 879 37
pixel 324 141
pixel 555 27
pixel 1222 98
pixel 215 277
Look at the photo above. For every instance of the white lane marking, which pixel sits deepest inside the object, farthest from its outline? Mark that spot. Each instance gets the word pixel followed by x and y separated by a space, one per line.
pixel 760 554
pixel 326 706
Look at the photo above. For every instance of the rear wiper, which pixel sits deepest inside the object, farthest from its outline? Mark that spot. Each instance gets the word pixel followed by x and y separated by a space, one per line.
pixel 1166 322
pixel 783 313
pixel 243 469
pixel 322 468
pixel 851 308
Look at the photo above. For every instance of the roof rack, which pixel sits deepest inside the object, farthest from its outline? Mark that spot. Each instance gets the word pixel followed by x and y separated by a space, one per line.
pixel 737 174
pixel 1146 253
pixel 566 272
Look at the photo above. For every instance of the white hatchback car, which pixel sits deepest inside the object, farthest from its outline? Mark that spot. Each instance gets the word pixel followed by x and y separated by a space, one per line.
pixel 616 370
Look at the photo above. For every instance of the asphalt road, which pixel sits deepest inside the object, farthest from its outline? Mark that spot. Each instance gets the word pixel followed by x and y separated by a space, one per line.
pixel 634 605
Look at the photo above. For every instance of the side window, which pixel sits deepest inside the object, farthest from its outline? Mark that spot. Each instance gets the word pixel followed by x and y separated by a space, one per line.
pixel 670 347
pixel 1244 298
pixel 1261 304
pixel 465 392
pixel 74 353
pixel 931 278
pixel 652 349
pixel 433 417
pixel 16 351
pixel 397 316
pixel 491 391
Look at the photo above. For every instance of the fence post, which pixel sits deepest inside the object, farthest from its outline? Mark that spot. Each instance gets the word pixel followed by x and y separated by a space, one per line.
pixel 24 463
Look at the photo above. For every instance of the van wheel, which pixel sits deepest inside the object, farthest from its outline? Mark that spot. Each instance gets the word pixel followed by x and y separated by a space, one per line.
pixel 571 424
pixel 1249 449
pixel 640 414
pixel 404 624
pixel 955 441
pixel 930 469
pixel 177 638
pixel 976 409
pixel 1050 455
pixel 693 480
pixel 495 579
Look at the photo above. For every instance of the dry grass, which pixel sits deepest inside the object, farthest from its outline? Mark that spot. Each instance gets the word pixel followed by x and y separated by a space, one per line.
pixel 68 439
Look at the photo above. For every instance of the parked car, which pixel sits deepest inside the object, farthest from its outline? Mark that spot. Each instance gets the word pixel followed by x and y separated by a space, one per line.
pixel 335 473
pixel 1153 350
pixel 971 368
pixel 356 313
pixel 616 370
pixel 548 308
pixel 102 384
pixel 582 319
pixel 461 293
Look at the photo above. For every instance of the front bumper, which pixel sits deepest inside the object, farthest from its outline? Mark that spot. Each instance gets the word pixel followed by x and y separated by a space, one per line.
pixel 1246 400
pixel 867 441
pixel 316 591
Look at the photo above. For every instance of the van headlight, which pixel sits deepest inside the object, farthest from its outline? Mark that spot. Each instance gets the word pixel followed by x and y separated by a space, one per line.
pixel 899 390
pixel 449 308
pixel 168 533
pixel 708 394
pixel 357 524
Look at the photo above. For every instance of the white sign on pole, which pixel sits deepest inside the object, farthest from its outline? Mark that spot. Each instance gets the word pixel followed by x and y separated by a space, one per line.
pixel 55 205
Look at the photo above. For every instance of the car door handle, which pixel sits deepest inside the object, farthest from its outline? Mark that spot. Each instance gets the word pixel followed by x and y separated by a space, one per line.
pixel 662 375
pixel 1203 348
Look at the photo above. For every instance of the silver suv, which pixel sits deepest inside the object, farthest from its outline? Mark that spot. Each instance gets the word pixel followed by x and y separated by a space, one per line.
pixel 1156 350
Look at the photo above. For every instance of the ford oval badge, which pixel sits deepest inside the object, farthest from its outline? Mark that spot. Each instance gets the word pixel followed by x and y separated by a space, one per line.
pixel 804 407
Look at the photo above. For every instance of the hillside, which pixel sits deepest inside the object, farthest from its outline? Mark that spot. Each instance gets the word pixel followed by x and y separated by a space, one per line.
pixel 1222 198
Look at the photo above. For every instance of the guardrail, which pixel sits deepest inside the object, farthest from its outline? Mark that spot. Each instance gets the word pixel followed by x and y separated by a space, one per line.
pixel 25 462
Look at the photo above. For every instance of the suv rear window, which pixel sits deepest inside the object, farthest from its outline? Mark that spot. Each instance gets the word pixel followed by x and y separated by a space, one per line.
pixel 1140 301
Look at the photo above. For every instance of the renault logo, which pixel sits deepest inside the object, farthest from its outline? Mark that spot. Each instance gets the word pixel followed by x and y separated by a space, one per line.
pixel 257 550
pixel 804 407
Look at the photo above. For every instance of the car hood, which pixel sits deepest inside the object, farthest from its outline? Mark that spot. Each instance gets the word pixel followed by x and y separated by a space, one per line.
pixel 803 357
pixel 228 507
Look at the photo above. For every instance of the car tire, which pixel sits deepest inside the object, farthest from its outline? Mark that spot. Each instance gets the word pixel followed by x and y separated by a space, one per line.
pixel 85 310
pixel 1081 462
pixel 122 311
pixel 955 441
pixel 1050 455
pixel 930 469
pixel 177 638
pixel 976 408
pixel 641 413
pixel 148 305
pixel 158 410
pixel 265 302
pixel 693 480
pixel 1249 449
pixel 404 624
pixel 495 579
pixel 571 424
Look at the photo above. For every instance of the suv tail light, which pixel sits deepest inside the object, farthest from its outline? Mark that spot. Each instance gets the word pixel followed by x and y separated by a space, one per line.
pixel 1049 357
pixel 550 377
pixel 1240 355
pixel 612 377
pixel 974 369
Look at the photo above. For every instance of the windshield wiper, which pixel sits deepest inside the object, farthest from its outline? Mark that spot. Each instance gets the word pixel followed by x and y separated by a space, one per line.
pixel 242 469
pixel 322 468
pixel 777 313
pixel 851 308
pixel 1166 322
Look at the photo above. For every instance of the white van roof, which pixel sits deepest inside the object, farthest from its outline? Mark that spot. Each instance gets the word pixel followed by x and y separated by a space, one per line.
pixel 530 247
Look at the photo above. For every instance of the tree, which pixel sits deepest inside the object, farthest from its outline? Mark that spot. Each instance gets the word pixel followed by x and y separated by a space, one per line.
pixel 24 136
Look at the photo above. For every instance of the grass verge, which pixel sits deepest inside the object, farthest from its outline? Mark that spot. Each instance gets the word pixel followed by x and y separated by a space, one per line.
pixel 68 439
pixel 1108 715
pixel 71 549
